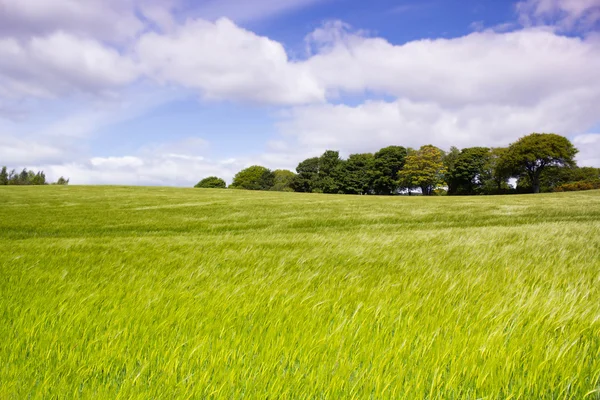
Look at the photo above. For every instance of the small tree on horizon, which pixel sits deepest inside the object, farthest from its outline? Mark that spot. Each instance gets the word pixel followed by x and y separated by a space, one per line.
pixel 211 182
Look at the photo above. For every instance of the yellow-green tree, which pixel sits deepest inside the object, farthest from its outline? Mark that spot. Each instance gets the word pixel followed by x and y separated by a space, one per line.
pixel 423 169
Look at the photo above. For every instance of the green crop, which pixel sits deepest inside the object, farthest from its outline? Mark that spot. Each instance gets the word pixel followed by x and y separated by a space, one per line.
pixel 122 292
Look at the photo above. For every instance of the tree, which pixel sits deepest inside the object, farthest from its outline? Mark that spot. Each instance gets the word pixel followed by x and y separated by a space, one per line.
pixel 212 182
pixel 39 178
pixel 467 172
pixel 13 177
pixel 355 174
pixel 3 176
pixel 255 177
pixel 531 154
pixel 496 176
pixel 307 175
pixel 62 181
pixel 283 179
pixel 423 169
pixel 23 178
pixel 328 179
pixel 387 163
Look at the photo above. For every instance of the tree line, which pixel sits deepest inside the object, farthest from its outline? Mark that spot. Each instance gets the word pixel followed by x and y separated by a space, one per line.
pixel 27 177
pixel 539 162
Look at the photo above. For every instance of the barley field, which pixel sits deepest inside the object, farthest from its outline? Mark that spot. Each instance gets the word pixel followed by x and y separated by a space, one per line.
pixel 152 293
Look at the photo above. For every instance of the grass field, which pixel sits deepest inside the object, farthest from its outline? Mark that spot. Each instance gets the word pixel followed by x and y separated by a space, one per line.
pixel 122 292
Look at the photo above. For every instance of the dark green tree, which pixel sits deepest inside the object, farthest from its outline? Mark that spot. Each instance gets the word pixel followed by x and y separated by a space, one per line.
pixel 255 177
pixel 387 163
pixel 3 176
pixel 283 179
pixel 495 180
pixel 328 180
pixel 62 181
pixel 356 174
pixel 24 177
pixel 533 153
pixel 307 175
pixel 467 172
pixel 211 182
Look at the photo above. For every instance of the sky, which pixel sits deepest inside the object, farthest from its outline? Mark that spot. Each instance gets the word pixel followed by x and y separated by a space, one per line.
pixel 167 92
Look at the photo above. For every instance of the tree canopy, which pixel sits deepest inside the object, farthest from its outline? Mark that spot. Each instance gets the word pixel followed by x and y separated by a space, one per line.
pixel 531 154
pixel 255 177
pixel 423 169
pixel 282 180
pixel 211 182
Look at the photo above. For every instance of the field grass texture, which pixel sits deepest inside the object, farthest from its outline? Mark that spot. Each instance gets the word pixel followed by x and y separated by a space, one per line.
pixel 123 292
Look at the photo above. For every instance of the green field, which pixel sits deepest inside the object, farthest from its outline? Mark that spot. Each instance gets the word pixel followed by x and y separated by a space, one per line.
pixel 122 292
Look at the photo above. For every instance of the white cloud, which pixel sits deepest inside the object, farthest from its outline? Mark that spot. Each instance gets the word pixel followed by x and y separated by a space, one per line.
pixel 376 124
pixel 484 67
pixel 589 149
pixel 564 15
pixel 60 64
pixel 224 61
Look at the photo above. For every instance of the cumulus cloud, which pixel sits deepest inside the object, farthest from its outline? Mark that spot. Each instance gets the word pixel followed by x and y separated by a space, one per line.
pixel 59 64
pixel 589 149
pixel 157 167
pixel 375 124
pixel 224 61
pixel 519 67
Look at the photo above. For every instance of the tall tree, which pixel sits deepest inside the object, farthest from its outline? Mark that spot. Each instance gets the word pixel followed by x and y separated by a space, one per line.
pixel 3 176
pixel 328 179
pixel 307 175
pixel 497 172
pixel 531 154
pixel 255 177
pixel 283 179
pixel 211 182
pixel 423 169
pixel 466 174
pixel 387 163
pixel 355 174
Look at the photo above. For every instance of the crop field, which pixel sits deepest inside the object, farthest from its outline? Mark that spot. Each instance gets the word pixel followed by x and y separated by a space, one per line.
pixel 124 292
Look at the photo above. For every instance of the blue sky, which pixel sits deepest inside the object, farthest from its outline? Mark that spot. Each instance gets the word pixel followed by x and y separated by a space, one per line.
pixel 166 92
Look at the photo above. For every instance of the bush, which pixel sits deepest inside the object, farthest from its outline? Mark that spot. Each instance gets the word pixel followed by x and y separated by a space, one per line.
pixel 212 182
pixel 577 186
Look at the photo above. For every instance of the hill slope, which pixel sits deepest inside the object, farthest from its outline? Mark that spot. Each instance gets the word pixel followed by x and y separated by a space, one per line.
pixel 154 292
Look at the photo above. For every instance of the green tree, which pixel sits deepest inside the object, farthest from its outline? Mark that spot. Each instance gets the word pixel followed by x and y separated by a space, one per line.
pixel 62 181
pixel 355 174
pixel 255 177
pixel 3 176
pixel 424 169
pixel 13 177
pixel 328 176
pixel 387 163
pixel 283 179
pixel 497 173
pixel 533 153
pixel 38 178
pixel 211 182
pixel 24 177
pixel 307 175
pixel 467 172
